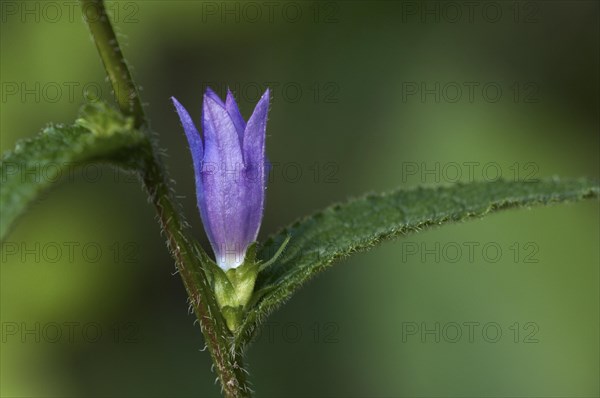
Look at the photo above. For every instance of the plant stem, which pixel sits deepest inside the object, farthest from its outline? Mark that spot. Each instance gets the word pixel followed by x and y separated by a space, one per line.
pixel 218 338
pixel 188 257
pixel 126 94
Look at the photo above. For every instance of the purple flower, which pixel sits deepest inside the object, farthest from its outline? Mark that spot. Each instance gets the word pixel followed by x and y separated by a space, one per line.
pixel 230 168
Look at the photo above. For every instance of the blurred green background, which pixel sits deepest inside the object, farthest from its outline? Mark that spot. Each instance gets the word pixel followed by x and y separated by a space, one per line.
pixel 350 113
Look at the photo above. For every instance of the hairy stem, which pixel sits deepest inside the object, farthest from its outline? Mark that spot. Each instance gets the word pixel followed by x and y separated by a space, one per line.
pixel 188 257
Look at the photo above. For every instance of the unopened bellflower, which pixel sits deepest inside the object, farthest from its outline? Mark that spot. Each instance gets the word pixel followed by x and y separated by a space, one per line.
pixel 230 169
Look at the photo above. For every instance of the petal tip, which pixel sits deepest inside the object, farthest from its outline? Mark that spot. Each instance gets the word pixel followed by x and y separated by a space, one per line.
pixel 210 93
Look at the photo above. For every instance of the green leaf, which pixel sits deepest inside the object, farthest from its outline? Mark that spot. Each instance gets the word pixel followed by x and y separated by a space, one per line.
pixel 101 134
pixel 342 229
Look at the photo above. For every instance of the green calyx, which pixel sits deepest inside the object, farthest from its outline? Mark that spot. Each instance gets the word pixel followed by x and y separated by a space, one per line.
pixel 234 288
